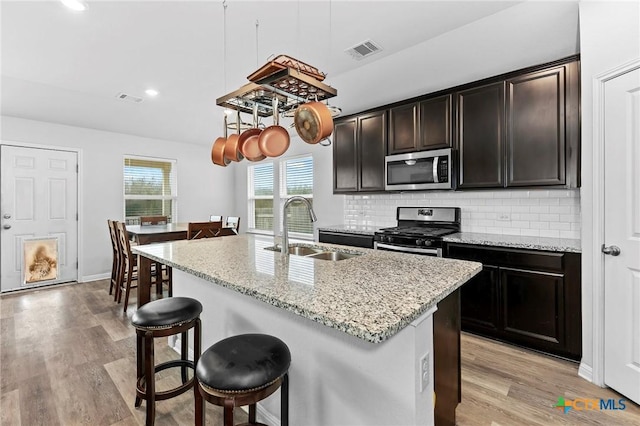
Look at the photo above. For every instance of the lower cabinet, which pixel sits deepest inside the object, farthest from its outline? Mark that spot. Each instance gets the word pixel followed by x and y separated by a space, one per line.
pixel 526 297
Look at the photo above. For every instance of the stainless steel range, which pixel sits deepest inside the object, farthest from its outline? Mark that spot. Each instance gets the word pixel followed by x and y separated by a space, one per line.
pixel 420 230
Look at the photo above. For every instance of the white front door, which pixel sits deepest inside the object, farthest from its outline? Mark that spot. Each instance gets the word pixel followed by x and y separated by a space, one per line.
pixel 622 233
pixel 39 201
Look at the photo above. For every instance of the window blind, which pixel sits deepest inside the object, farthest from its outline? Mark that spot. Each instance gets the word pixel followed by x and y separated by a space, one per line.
pixel 150 188
pixel 296 178
pixel 261 196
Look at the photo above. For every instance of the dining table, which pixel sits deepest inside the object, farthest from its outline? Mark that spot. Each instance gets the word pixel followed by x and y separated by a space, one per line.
pixel 149 234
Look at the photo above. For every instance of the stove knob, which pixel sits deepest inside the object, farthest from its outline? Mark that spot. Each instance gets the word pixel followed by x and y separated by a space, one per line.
pixel 428 243
pixel 389 239
pixel 420 242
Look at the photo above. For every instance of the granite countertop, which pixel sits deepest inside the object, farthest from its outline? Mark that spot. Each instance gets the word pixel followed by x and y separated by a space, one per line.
pixel 350 229
pixel 371 296
pixel 516 241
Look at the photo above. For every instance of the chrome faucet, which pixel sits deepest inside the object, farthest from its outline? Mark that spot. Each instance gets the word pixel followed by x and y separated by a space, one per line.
pixel 285 231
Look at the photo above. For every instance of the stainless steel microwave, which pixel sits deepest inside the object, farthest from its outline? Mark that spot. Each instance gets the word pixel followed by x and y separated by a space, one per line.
pixel 419 170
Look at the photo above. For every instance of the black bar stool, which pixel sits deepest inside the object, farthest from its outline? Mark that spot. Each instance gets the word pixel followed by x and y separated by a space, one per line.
pixel 162 318
pixel 242 370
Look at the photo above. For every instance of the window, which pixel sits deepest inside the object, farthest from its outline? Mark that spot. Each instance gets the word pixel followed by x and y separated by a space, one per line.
pixel 260 183
pixel 150 188
pixel 295 178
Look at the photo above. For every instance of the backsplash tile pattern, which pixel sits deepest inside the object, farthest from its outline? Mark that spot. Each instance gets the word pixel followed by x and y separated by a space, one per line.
pixel 539 212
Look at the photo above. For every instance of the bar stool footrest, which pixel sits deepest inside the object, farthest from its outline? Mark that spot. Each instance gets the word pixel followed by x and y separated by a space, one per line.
pixel 170 393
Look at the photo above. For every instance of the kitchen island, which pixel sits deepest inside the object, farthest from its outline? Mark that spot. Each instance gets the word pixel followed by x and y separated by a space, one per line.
pixel 360 330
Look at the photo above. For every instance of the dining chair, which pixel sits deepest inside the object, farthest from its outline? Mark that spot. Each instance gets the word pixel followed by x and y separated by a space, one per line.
pixel 197 230
pixel 115 264
pixel 214 218
pixel 128 266
pixel 233 222
pixel 153 220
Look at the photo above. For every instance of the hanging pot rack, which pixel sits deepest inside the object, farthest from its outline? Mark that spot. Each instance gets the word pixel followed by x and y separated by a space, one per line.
pixel 290 86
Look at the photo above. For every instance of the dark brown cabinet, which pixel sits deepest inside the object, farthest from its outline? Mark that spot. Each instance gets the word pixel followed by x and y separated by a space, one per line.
pixel 420 125
pixel 480 133
pixel 527 297
pixel 345 238
pixel 359 148
pixel 521 131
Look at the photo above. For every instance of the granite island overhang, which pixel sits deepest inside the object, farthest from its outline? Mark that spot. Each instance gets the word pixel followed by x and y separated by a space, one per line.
pixel 360 330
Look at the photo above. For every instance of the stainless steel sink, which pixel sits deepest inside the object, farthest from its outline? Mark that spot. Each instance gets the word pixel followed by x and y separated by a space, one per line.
pixel 316 253
pixel 303 251
pixel 333 255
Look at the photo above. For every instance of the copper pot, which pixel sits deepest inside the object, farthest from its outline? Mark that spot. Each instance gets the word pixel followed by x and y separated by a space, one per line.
pixel 274 140
pixel 217 150
pixel 232 146
pixel 313 122
pixel 249 140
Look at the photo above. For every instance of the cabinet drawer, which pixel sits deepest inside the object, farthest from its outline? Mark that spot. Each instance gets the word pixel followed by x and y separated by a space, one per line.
pixel 346 239
pixel 517 258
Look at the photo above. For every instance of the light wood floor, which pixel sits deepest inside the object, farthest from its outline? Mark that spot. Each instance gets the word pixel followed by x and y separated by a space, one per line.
pixel 67 357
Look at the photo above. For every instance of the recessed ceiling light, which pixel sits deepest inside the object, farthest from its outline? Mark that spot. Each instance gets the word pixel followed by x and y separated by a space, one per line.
pixel 77 5
pixel 151 92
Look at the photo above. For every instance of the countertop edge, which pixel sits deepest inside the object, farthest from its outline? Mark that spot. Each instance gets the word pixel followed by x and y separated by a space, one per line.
pixel 566 245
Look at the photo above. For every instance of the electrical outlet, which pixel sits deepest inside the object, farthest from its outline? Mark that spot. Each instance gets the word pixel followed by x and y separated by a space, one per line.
pixel 504 216
pixel 424 372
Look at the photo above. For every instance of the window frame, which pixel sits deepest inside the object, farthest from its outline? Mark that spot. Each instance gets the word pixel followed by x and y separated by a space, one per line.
pixel 279 195
pixel 173 197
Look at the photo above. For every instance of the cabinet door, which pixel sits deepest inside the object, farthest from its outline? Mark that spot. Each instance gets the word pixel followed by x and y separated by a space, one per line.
pixel 533 308
pixel 480 133
pixel 536 128
pixel 372 146
pixel 345 156
pixel 479 301
pixel 435 123
pixel 403 129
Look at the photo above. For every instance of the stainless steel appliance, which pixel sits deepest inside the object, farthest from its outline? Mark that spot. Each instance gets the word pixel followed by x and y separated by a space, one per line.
pixel 420 230
pixel 419 170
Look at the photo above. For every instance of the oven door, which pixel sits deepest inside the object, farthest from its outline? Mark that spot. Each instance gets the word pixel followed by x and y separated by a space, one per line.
pixel 425 251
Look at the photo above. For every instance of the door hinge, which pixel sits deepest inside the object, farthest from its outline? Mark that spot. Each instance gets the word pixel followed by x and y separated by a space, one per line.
pixel 77 168
pixel 76 216
pixel 76 264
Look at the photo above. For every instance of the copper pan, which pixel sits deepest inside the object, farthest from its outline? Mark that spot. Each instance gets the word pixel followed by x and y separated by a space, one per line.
pixel 274 140
pixel 249 140
pixel 217 150
pixel 232 146
pixel 313 122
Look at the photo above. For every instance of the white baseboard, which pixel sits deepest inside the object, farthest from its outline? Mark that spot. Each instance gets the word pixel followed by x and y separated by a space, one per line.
pixel 586 372
pixel 263 416
pixel 96 277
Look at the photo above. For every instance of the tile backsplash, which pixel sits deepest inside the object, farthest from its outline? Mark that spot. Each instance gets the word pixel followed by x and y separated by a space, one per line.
pixel 539 212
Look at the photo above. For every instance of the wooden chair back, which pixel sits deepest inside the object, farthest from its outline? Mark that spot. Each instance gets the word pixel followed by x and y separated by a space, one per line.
pixel 115 266
pixel 197 230
pixel 153 220
pixel 233 222
pixel 123 241
pixel 215 218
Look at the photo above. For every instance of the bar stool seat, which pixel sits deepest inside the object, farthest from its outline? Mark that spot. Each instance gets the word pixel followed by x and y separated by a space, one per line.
pixel 162 318
pixel 242 370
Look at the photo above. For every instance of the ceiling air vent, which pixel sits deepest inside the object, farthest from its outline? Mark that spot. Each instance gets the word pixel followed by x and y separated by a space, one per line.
pixel 364 49
pixel 128 98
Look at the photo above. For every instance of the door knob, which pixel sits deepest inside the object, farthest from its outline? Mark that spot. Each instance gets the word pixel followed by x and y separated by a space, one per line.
pixel 7 216
pixel 6 226
pixel 612 250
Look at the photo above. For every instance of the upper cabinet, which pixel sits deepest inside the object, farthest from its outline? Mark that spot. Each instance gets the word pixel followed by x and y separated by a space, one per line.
pixel 521 131
pixel 480 132
pixel 359 147
pixel 420 125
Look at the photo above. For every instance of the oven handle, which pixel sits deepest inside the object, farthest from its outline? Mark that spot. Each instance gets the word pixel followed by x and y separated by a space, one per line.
pixel 434 251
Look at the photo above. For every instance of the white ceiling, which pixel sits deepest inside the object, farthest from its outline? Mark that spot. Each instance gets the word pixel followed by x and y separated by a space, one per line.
pixel 67 67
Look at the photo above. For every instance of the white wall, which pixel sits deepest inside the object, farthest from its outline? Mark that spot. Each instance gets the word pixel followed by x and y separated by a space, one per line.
pixel 609 37
pixel 202 188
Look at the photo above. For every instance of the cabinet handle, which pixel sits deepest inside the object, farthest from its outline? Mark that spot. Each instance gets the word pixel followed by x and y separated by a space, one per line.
pixel 611 250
